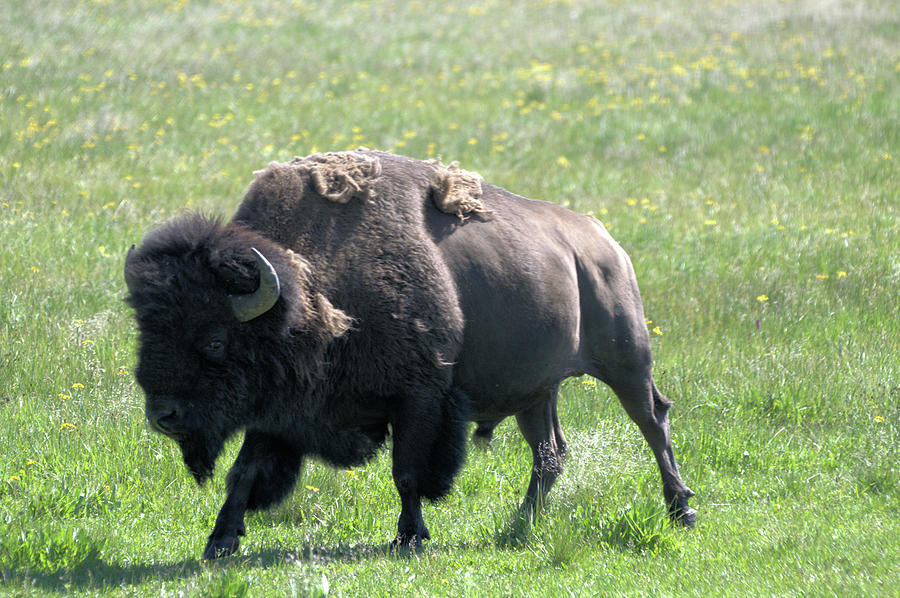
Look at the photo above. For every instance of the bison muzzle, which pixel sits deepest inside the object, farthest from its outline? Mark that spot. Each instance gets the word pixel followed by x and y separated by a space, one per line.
pixel 360 295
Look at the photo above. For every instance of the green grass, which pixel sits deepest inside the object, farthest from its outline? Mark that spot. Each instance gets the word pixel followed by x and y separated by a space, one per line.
pixel 746 156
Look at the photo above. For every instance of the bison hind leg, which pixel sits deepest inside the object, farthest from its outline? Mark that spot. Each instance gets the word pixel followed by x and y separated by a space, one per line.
pixel 449 449
pixel 649 409
pixel 539 425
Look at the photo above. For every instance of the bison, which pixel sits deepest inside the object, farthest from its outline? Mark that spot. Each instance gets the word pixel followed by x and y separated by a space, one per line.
pixel 361 294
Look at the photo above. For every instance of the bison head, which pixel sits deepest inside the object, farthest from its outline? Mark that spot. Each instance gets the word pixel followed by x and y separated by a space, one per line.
pixel 206 301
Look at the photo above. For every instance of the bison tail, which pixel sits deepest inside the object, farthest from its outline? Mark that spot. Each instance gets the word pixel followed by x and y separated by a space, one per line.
pixel 449 449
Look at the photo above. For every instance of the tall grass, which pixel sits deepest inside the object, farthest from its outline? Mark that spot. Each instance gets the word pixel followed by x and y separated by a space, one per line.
pixel 746 155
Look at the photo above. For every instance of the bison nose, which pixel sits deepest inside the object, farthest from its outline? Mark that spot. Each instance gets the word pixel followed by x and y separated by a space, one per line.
pixel 162 413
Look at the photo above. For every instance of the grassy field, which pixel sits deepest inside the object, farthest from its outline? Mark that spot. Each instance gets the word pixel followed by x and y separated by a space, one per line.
pixel 745 154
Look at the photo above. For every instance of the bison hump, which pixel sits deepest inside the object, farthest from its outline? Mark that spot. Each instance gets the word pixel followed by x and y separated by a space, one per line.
pixel 336 176
pixel 341 176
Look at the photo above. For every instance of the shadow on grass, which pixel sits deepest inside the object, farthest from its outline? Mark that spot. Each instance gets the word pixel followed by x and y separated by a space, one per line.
pixel 100 575
pixel 642 527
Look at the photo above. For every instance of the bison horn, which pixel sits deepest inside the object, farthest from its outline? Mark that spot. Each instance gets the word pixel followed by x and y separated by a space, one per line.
pixel 131 281
pixel 252 305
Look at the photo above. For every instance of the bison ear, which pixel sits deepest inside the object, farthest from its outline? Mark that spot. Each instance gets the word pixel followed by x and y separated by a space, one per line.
pixel 253 287
pixel 236 271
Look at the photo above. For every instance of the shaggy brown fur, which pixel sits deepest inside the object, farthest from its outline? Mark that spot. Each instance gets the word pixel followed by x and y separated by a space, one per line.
pixel 456 191
pixel 319 315
pixel 340 176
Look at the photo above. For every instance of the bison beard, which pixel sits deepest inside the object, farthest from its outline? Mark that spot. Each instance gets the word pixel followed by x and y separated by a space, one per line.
pixel 199 454
pixel 361 294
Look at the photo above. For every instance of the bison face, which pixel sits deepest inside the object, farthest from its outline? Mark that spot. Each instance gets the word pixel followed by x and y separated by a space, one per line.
pixel 200 340
pixel 191 396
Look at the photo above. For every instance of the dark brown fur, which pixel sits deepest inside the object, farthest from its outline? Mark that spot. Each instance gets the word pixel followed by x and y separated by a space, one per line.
pixel 395 313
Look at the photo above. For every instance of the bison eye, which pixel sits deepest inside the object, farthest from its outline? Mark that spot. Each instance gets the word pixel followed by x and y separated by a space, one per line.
pixel 214 350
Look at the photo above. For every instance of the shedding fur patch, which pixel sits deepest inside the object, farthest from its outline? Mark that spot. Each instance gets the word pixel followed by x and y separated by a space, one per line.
pixel 341 176
pixel 329 321
pixel 456 191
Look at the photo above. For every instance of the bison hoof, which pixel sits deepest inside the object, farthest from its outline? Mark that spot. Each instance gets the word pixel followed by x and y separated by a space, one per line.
pixel 687 517
pixel 680 511
pixel 682 514
pixel 218 547
pixel 410 542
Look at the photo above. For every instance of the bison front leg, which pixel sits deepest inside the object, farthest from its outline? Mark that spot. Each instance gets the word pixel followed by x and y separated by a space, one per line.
pixel 409 463
pixel 429 447
pixel 223 540
pixel 264 472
